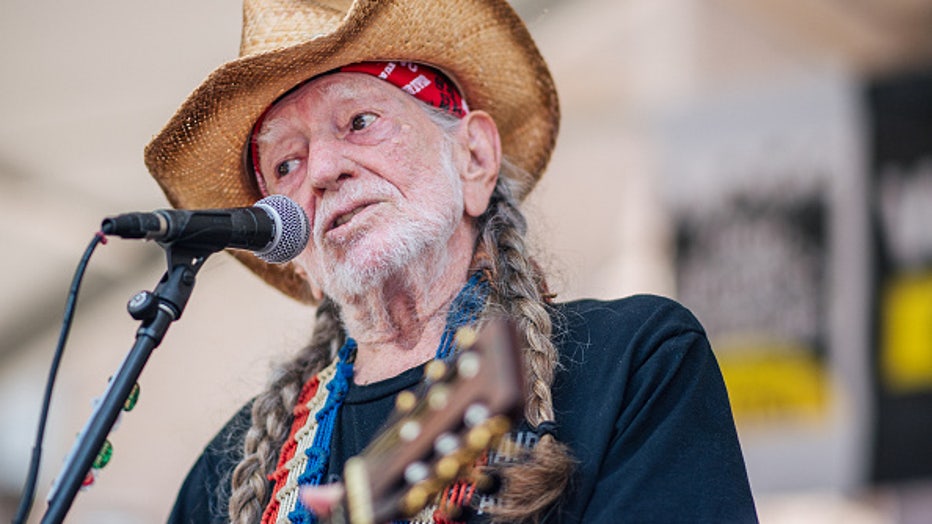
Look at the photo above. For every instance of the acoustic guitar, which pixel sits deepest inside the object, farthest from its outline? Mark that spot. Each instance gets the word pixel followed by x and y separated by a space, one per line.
pixel 435 438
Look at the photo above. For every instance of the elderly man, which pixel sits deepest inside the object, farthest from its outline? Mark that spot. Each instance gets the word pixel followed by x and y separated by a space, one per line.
pixel 409 131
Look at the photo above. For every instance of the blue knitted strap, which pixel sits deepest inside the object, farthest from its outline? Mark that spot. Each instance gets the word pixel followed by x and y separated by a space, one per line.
pixel 318 454
pixel 465 310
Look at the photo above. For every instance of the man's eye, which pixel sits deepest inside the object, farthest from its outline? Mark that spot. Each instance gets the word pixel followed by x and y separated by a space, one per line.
pixel 362 121
pixel 286 167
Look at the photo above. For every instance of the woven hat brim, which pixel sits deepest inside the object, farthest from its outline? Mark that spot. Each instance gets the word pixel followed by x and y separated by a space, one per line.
pixel 481 44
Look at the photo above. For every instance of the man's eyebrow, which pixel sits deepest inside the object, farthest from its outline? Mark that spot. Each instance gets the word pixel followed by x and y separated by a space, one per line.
pixel 272 131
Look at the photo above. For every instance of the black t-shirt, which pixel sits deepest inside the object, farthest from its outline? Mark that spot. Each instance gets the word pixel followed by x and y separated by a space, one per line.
pixel 638 398
pixel 362 415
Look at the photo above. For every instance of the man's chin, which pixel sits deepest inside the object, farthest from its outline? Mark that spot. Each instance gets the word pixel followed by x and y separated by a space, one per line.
pixel 347 284
pixel 352 275
pixel 371 260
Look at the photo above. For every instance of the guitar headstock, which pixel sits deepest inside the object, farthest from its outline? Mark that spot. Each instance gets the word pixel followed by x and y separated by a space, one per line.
pixel 432 439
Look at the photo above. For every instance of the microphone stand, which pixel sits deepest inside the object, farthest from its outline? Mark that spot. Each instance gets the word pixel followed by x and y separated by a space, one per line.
pixel 157 310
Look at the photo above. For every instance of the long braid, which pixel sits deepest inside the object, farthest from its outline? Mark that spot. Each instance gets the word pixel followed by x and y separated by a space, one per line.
pixel 532 485
pixel 519 290
pixel 272 417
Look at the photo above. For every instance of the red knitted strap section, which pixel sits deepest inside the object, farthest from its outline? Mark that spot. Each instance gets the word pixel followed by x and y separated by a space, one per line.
pixel 457 495
pixel 451 500
pixel 280 475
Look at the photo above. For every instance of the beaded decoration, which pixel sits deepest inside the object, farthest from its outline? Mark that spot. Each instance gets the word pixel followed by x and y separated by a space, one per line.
pixel 106 449
pixel 305 455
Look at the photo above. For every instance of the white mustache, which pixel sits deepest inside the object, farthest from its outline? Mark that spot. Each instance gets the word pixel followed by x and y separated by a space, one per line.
pixel 348 198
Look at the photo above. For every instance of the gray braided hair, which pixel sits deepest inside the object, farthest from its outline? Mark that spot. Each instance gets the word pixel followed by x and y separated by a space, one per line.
pixel 519 290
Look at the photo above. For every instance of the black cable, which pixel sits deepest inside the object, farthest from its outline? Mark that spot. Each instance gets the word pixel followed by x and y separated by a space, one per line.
pixel 29 490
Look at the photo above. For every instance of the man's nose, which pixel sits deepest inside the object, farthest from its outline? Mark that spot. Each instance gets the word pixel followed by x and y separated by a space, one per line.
pixel 327 164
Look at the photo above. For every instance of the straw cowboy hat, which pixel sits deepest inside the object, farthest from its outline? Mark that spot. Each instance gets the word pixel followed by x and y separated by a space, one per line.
pixel 482 45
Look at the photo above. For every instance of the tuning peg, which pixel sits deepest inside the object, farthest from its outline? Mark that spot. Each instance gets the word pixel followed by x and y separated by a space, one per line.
pixel 478 438
pixel 466 337
pixel 448 468
pixel 468 365
pixel 419 495
pixel 414 500
pixel 475 414
pixel 405 401
pixel 481 436
pixel 435 370
pixel 416 472
pixel 499 425
pixel 409 431
pixel 438 397
pixel 446 444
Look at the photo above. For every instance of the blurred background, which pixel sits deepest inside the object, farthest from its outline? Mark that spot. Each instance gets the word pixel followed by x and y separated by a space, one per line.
pixel 767 163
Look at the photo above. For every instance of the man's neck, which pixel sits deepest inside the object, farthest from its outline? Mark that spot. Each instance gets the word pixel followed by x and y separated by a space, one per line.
pixel 399 325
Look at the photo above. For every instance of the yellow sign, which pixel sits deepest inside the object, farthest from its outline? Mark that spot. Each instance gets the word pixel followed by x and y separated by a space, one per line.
pixel 774 383
pixel 906 340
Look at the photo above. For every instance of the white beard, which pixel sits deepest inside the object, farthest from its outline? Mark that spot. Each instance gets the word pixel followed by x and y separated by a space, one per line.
pixel 414 249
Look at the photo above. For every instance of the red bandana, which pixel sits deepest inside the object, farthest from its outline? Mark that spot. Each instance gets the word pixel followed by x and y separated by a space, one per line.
pixel 423 82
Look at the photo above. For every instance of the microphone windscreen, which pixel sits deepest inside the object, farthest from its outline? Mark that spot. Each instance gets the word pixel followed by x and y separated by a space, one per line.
pixel 292 229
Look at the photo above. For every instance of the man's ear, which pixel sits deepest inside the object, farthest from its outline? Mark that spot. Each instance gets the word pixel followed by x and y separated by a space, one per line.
pixel 480 135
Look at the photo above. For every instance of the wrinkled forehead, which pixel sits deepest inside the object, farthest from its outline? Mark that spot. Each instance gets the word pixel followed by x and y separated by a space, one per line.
pixel 327 93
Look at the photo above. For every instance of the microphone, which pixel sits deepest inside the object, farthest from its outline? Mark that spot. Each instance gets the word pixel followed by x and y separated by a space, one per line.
pixel 275 228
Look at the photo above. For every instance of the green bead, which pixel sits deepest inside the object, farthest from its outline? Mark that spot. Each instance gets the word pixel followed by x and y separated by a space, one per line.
pixel 103 458
pixel 132 398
